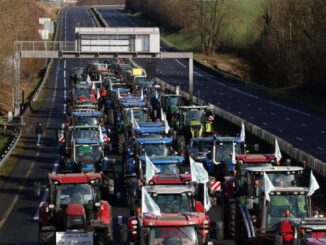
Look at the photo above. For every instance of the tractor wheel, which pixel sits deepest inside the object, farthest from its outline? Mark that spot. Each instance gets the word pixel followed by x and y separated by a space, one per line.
pixel 232 223
pixel 111 117
pixel 47 237
pixel 121 143
pixel 181 143
pixel 104 236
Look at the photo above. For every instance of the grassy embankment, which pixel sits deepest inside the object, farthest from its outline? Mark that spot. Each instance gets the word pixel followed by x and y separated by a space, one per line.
pixel 244 28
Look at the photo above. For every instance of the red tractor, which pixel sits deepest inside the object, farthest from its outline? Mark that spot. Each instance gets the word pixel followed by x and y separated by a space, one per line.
pixel 74 212
pixel 181 228
pixel 232 186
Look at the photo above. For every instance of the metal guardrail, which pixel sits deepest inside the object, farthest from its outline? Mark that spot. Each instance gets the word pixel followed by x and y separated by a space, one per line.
pixel 16 133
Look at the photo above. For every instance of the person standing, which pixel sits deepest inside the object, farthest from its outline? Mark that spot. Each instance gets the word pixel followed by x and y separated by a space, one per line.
pixel 38 132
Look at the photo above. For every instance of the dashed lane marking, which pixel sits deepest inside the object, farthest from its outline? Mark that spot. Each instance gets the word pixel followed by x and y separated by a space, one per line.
pixel 245 93
pixel 181 63
pixel 321 148
pixel 198 74
pixel 299 139
pixel 289 109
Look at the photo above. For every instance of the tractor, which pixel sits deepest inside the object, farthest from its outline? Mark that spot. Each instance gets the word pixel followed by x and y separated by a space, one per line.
pixel 75 212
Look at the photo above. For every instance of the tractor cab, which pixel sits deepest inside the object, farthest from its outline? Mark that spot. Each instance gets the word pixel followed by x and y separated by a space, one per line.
pixel 185 228
pixel 86 119
pixel 75 211
pixel 179 199
pixel 170 104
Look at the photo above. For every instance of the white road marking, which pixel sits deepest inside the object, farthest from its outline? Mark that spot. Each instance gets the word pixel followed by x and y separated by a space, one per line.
pixel 64 64
pixel 44 198
pixel 198 74
pixel 265 123
pixel 289 109
pixel 181 63
pixel 252 118
pixel 65 94
pixel 245 93
pixel 217 82
pixel 321 148
pixel 280 130
pixel 287 119
pixel 303 125
pixel 64 74
pixel 299 139
pixel 64 82
pixel 323 132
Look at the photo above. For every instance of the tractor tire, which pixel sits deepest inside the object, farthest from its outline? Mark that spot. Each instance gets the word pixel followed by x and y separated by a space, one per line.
pixel 181 143
pixel 232 216
pixel 111 117
pixel 104 236
pixel 121 143
pixel 47 238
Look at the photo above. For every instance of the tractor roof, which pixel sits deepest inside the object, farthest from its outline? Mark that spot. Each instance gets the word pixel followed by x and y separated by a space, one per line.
pixel 86 141
pixel 172 220
pixel 87 114
pixel 275 169
pixel 193 107
pixel 75 178
pixel 170 179
pixel 82 127
pixel 161 160
pixel 166 189
pixel 162 140
pixel 147 130
pixel 289 189
pixel 219 139
pixel 256 158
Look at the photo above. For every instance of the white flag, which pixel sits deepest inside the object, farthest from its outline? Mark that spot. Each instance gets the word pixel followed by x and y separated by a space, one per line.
pixel 313 185
pixel 242 133
pixel 166 124
pixel 233 154
pixel 141 94
pixel 277 153
pixel 207 200
pixel 98 95
pixel 119 96
pixel 162 115
pixel 101 134
pixel 134 123
pixel 156 94
pixel 93 86
pixel 88 80
pixel 100 78
pixel 151 169
pixel 198 172
pixel 148 205
pixel 267 186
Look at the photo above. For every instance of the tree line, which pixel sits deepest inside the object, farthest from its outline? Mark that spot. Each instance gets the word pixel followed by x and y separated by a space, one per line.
pixel 291 47
pixel 18 21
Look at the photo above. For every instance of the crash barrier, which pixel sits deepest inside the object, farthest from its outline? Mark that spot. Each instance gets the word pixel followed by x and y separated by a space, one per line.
pixel 97 17
pixel 297 154
pixel 7 150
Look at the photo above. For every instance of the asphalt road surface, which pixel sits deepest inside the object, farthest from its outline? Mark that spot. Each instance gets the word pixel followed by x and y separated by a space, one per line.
pixel 302 127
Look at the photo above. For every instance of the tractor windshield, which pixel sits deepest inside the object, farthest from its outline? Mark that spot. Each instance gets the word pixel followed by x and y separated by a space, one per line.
pixel 86 134
pixel 296 204
pixel 168 168
pixel 280 178
pixel 185 235
pixel 87 154
pixel 224 151
pixel 173 203
pixel 139 115
pixel 153 150
pixel 201 145
pixel 85 121
pixel 192 116
pixel 68 193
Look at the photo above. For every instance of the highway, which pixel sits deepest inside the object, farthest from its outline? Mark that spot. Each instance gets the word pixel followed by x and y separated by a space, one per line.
pixel 302 127
pixel 19 206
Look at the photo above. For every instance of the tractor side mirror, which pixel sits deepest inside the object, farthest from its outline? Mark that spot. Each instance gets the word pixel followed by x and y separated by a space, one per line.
pixel 199 207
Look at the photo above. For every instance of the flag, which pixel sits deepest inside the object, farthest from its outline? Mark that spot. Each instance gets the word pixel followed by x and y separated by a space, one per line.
pixel 148 205
pixel 141 94
pixel 198 172
pixel 119 96
pixel 133 121
pixel 101 134
pixel 162 115
pixel 207 200
pixel 88 80
pixel 101 79
pixel 98 95
pixel 93 86
pixel 151 169
pixel 166 124
pixel 156 94
pixel 313 185
pixel 277 153
pixel 242 133
pixel 233 154
pixel 267 186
